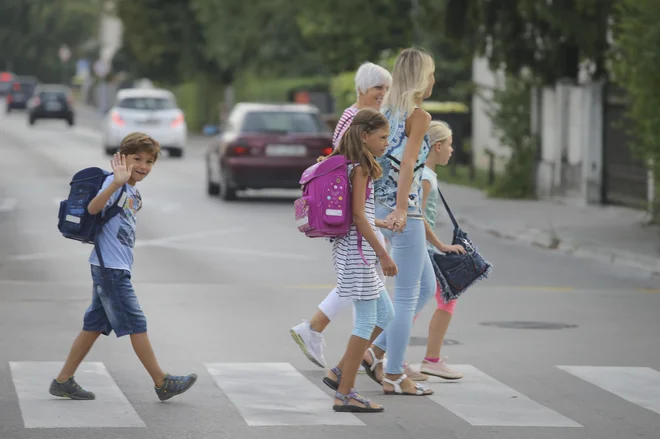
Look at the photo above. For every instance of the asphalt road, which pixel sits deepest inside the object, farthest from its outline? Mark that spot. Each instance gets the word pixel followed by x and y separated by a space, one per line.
pixel 553 347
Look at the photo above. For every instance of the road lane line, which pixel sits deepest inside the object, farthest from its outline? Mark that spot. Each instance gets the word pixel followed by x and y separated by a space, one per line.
pixel 639 385
pixel 268 394
pixel 482 400
pixel 42 410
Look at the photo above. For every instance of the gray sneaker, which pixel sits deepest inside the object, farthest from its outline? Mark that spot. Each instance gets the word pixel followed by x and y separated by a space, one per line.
pixel 70 389
pixel 175 385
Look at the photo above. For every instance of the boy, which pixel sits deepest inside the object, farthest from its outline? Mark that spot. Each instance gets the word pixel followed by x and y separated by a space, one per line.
pixel 114 303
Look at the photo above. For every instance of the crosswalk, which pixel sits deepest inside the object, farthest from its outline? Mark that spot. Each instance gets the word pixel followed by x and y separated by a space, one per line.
pixel 277 394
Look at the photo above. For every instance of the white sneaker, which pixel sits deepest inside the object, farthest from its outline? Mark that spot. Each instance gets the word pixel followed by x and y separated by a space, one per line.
pixel 310 342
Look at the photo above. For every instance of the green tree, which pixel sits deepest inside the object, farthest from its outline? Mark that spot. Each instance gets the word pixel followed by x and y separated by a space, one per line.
pixel 347 33
pixel 635 61
pixel 551 39
pixel 31 33
pixel 261 36
pixel 163 41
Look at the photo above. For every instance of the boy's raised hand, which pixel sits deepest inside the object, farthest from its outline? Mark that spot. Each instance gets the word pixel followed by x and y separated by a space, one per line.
pixel 119 169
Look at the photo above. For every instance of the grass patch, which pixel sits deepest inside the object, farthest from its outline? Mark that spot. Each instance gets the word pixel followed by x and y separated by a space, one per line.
pixel 462 176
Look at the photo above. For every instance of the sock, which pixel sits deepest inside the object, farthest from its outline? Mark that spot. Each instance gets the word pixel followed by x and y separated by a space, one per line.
pixel 431 360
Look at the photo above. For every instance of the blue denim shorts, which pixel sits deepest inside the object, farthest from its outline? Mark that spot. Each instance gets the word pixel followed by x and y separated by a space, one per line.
pixel 115 306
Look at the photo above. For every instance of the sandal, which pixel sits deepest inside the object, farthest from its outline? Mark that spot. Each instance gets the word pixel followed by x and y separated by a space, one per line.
pixel 370 369
pixel 334 385
pixel 419 390
pixel 350 408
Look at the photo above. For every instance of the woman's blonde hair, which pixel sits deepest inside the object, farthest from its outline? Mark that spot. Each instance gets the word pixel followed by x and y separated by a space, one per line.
pixel 352 147
pixel 410 80
pixel 439 131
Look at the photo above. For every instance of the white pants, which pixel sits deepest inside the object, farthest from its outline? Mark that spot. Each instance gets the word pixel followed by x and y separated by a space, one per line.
pixel 332 305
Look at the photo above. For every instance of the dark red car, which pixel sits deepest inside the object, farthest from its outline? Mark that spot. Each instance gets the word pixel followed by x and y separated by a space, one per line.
pixel 265 146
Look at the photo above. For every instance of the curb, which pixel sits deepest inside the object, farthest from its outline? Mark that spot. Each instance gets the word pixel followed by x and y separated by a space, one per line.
pixel 546 240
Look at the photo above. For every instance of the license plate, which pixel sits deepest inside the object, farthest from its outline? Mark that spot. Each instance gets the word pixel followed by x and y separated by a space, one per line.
pixel 19 97
pixel 53 106
pixel 150 122
pixel 286 150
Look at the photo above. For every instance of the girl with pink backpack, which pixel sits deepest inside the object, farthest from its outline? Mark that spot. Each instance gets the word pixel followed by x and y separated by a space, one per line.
pixel 355 260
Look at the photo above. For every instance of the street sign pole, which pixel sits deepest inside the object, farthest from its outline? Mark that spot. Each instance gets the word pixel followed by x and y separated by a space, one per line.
pixel 64 54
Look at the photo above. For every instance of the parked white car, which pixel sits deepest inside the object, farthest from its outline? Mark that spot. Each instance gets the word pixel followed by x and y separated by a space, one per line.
pixel 150 111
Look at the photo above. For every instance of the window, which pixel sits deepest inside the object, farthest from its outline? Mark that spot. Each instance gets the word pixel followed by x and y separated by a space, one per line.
pixel 147 103
pixel 282 122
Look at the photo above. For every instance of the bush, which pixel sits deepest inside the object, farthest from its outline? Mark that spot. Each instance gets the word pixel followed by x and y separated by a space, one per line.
pixel 635 65
pixel 510 111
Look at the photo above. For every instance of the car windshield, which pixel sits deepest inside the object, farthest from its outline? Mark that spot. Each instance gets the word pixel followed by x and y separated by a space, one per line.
pixel 147 103
pixel 282 122
pixel 51 95
pixel 25 88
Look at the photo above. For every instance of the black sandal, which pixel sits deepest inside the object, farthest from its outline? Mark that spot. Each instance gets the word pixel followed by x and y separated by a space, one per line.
pixel 345 407
pixel 334 385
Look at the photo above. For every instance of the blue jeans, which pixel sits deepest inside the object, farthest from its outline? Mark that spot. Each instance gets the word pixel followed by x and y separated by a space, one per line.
pixel 114 305
pixel 371 313
pixel 414 286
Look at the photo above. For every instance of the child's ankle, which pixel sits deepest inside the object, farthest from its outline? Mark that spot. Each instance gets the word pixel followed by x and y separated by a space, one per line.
pixel 431 359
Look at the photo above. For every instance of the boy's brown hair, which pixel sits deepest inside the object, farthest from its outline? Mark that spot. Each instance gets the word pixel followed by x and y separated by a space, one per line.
pixel 135 143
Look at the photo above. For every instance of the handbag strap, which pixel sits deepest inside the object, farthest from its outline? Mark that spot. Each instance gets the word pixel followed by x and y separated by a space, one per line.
pixel 451 215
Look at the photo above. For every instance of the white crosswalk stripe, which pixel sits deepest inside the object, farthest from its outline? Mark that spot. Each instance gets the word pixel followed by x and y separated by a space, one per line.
pixel 41 410
pixel 639 385
pixel 482 400
pixel 263 395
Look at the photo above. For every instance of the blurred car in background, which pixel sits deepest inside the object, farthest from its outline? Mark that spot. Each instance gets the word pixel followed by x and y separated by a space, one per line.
pixel 150 111
pixel 265 146
pixel 51 101
pixel 20 92
pixel 6 78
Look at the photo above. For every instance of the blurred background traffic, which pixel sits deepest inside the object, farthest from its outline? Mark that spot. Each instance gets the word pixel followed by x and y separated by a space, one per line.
pixel 544 98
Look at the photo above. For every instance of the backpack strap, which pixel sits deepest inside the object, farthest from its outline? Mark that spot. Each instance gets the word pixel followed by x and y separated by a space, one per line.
pixel 359 235
pixel 395 160
pixel 111 212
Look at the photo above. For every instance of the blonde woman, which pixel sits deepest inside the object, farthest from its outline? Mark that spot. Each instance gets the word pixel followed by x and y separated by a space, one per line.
pixel 399 202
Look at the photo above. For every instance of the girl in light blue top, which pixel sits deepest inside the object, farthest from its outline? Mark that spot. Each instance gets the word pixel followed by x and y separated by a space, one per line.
pixel 399 202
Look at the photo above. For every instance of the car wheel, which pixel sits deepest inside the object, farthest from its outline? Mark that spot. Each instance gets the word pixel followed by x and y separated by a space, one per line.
pixel 8 109
pixel 70 121
pixel 31 120
pixel 227 192
pixel 212 188
pixel 109 150
pixel 176 152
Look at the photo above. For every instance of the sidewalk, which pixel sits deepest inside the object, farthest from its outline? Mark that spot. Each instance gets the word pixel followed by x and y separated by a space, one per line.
pixel 612 234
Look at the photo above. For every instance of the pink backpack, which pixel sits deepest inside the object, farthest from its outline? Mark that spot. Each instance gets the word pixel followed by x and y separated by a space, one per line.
pixel 325 208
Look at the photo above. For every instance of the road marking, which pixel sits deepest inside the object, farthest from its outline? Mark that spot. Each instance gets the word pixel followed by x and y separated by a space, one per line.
pixel 562 289
pixel 649 290
pixel 8 204
pixel 143 243
pixel 268 394
pixel 639 385
pixel 240 251
pixel 41 410
pixel 483 401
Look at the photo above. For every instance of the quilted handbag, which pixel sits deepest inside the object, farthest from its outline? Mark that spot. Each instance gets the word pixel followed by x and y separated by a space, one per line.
pixel 456 272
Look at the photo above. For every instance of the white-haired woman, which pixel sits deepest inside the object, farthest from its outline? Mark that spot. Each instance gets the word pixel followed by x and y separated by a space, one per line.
pixel 399 202
pixel 372 82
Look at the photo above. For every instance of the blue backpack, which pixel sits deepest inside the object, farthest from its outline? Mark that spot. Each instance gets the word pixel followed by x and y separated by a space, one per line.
pixel 74 220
